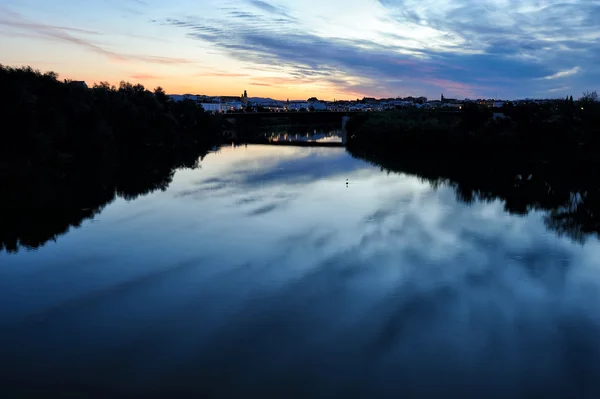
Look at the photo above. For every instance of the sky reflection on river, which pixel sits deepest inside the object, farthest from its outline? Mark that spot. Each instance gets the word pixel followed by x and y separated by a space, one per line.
pixel 263 272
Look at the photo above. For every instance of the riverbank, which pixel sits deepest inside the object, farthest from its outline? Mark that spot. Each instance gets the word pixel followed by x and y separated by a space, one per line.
pixel 68 150
pixel 527 139
pixel 550 168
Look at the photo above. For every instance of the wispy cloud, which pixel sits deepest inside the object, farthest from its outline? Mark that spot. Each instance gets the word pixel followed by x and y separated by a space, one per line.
pixel 143 76
pixel 154 59
pixel 74 36
pixel 563 74
pixel 563 89
pixel 269 8
pixel 222 74
pixel 130 7
pixel 36 26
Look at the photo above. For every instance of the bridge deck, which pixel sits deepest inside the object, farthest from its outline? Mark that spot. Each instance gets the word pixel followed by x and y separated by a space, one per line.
pixel 296 143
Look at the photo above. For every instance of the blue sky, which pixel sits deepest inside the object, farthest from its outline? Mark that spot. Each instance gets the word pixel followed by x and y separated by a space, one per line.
pixel 331 49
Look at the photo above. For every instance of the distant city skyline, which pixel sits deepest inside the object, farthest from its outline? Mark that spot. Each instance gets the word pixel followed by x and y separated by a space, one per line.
pixel 341 50
pixel 415 97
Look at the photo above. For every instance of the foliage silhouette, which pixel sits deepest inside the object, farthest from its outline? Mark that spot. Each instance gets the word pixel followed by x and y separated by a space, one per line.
pixel 542 157
pixel 68 150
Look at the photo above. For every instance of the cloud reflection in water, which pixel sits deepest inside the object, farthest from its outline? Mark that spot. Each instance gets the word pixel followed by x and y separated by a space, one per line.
pixel 287 281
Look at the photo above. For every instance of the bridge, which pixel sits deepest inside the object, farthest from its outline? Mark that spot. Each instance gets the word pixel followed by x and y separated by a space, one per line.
pixel 254 127
pixel 245 120
pixel 291 143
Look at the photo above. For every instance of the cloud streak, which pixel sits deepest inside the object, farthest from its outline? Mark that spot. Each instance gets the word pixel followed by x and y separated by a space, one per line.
pixel 143 76
pixel 559 89
pixel 563 74
pixel 271 9
pixel 222 75
pixel 69 35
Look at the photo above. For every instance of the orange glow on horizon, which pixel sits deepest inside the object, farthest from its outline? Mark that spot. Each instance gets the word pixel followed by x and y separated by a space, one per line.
pixel 214 86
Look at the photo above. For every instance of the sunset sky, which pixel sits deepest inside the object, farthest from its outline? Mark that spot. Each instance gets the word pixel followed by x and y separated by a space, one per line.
pixel 324 48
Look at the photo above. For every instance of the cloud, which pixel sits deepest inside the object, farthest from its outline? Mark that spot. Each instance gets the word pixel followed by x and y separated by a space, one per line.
pixel 36 26
pixel 475 48
pixel 563 74
pixel 462 89
pixel 351 65
pixel 70 35
pixel 269 8
pixel 130 7
pixel 142 76
pixel 564 89
pixel 223 74
pixel 404 46
pixel 155 59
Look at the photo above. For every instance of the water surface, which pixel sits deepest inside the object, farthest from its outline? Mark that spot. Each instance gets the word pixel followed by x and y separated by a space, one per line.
pixel 302 272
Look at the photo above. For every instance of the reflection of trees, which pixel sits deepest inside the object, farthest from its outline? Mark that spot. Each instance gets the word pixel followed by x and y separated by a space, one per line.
pixel 42 207
pixel 542 157
pixel 66 151
pixel 569 196
pixel 577 218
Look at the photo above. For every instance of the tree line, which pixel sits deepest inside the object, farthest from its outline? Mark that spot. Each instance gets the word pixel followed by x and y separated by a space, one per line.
pixel 67 150
pixel 550 132
pixel 541 157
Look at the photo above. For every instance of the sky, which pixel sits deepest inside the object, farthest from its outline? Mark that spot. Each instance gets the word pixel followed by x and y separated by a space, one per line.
pixel 334 49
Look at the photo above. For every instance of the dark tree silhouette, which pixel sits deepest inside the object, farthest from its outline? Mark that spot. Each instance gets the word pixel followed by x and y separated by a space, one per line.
pixel 66 150
pixel 589 97
pixel 542 156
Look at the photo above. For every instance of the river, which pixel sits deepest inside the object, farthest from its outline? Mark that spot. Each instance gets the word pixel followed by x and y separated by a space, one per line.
pixel 274 271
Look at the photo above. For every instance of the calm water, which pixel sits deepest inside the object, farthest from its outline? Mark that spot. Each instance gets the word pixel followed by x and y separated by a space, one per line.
pixel 263 273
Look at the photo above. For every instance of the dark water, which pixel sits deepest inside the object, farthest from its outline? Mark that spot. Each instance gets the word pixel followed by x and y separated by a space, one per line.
pixel 263 274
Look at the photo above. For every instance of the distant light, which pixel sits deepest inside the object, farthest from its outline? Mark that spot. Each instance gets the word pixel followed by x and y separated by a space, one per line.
pixel 582 108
